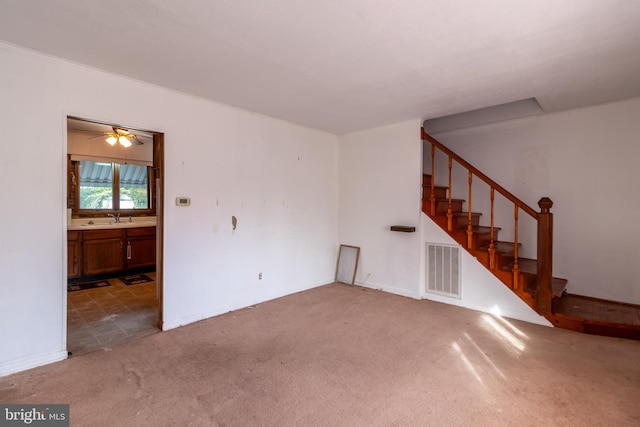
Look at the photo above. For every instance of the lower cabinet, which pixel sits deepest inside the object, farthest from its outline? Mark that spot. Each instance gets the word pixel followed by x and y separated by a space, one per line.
pixel 103 251
pixel 141 247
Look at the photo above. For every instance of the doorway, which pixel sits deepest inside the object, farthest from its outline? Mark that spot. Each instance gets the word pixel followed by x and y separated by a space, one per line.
pixel 114 234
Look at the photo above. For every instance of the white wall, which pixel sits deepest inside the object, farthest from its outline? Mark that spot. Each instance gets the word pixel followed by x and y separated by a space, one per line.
pixel 380 186
pixel 280 180
pixel 586 161
pixel 380 177
pixel 480 289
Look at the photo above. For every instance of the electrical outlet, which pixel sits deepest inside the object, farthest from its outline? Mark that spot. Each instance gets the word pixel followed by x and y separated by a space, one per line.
pixel 259 276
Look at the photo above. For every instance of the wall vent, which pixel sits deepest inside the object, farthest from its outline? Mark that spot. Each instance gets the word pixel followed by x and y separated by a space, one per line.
pixel 443 270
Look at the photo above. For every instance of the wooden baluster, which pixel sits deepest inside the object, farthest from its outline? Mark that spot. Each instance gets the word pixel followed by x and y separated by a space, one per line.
pixel 432 197
pixel 492 248
pixel 449 208
pixel 516 281
pixel 469 225
pixel 544 290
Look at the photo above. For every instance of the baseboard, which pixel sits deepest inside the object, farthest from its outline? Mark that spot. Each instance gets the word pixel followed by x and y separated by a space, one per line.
pixel 31 362
pixel 192 318
pixel 391 290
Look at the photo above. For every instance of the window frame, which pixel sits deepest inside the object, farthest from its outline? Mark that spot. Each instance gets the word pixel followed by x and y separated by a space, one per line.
pixel 94 213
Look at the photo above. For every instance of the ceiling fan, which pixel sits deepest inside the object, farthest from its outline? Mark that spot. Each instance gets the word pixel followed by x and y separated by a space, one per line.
pixel 121 135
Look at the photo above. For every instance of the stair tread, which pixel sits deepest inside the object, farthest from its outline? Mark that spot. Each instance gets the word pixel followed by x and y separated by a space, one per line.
pixel 462 213
pixel 499 246
pixel 444 199
pixel 530 266
pixel 480 229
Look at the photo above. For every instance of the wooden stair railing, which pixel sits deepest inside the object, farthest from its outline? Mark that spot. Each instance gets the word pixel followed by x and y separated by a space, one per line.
pixel 544 271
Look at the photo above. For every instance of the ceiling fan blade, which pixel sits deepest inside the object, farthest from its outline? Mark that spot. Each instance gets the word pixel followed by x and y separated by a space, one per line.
pixel 97 137
pixel 86 130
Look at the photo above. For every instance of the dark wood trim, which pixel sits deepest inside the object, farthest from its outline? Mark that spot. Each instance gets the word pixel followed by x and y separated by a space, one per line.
pixel 158 184
pixel 74 192
pixel 403 228
pixel 115 195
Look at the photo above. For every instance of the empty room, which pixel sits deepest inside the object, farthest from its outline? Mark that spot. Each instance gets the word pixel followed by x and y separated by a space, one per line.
pixel 319 213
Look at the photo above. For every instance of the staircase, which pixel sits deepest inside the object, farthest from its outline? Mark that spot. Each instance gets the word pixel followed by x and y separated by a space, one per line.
pixel 530 279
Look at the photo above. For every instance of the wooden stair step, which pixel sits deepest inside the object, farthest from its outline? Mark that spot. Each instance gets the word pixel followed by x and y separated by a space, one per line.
pixel 527 265
pixel 481 229
pixel 461 219
pixel 439 192
pixel 442 205
pixel 597 316
pixel 481 235
pixel 502 247
pixel 530 268
pixel 559 286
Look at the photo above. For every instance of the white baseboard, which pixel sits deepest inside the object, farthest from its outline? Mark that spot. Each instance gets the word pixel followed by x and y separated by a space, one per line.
pixel 12 367
pixel 185 320
pixel 392 290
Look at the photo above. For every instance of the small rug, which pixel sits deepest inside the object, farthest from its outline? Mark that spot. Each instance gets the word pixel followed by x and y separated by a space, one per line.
pixel 87 285
pixel 135 279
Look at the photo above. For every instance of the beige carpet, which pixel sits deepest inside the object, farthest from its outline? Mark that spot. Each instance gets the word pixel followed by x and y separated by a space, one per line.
pixel 343 356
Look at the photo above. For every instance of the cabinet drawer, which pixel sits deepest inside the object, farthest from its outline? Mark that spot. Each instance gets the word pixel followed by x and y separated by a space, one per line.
pixel 141 231
pixel 101 234
pixel 73 235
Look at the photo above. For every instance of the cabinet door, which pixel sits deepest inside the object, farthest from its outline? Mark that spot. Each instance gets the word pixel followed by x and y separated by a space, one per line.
pixel 103 256
pixel 141 252
pixel 73 259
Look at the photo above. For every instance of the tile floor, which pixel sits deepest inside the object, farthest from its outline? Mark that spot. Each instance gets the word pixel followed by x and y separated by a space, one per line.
pixel 101 317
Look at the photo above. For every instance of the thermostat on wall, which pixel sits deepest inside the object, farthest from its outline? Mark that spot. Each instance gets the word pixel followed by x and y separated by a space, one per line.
pixel 183 201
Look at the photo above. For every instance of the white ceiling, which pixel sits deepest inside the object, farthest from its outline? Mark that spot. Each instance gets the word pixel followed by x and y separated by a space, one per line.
pixel 348 65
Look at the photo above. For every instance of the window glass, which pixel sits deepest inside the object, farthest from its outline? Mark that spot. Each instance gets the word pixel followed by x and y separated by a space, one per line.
pixel 98 192
pixel 134 187
pixel 96 185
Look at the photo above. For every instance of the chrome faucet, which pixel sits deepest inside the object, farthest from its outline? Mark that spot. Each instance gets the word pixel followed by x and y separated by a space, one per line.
pixel 116 217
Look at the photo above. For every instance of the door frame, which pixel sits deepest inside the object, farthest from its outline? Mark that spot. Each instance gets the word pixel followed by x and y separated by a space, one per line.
pixel 158 167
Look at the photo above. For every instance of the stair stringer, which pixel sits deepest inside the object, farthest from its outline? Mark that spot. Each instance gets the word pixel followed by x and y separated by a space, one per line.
pixel 481 290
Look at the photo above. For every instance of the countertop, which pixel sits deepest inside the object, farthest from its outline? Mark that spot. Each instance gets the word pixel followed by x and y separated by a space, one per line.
pixel 109 223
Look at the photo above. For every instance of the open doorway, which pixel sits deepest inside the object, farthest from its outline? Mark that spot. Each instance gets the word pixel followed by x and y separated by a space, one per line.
pixel 114 234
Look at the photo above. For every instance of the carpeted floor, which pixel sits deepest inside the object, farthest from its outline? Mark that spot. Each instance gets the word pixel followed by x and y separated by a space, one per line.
pixel 342 356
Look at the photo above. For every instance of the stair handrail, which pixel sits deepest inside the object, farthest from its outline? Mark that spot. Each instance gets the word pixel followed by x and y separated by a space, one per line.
pixel 522 205
pixel 544 220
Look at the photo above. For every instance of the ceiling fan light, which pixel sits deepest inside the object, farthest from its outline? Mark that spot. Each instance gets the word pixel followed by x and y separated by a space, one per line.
pixel 124 141
pixel 112 140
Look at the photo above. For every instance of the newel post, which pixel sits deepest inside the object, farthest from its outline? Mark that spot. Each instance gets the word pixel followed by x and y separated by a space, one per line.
pixel 544 292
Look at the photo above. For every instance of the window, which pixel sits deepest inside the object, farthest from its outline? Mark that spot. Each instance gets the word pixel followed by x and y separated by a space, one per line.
pixel 112 187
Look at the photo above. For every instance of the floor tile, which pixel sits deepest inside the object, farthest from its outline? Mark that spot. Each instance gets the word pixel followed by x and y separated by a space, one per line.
pixel 102 317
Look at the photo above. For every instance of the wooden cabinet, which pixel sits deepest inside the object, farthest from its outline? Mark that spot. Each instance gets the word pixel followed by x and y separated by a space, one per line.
pixel 140 247
pixel 74 253
pixel 102 251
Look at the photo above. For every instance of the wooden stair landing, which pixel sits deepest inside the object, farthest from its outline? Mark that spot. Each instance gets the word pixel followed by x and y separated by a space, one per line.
pixel 596 316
